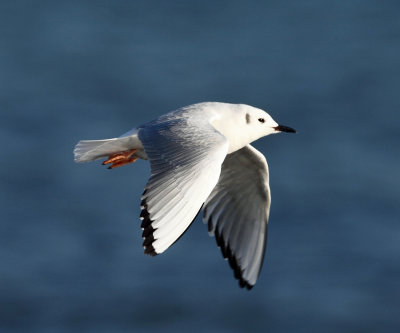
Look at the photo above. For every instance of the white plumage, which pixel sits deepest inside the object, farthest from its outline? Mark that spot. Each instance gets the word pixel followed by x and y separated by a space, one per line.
pixel 200 154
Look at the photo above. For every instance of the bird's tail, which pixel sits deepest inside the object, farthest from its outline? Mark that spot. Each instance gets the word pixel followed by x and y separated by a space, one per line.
pixel 90 150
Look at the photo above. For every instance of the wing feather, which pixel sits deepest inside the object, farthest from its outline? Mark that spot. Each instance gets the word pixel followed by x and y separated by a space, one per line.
pixel 237 212
pixel 185 157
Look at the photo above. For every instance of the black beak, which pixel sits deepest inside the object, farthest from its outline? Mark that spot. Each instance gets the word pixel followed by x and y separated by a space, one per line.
pixel 281 128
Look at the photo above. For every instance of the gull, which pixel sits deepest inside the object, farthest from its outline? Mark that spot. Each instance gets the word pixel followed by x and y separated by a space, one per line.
pixel 200 157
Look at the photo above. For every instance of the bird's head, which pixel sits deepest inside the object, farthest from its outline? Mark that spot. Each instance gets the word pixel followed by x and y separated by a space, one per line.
pixel 259 123
pixel 242 124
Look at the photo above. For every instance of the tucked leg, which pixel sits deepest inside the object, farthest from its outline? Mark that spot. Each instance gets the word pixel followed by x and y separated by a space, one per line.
pixel 120 159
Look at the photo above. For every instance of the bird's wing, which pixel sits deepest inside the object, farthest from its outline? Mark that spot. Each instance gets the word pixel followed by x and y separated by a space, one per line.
pixel 237 212
pixel 185 160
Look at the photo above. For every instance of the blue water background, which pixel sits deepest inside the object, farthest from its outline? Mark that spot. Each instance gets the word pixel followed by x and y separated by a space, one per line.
pixel 70 243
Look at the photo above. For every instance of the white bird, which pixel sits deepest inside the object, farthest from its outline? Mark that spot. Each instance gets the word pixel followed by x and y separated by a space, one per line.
pixel 200 156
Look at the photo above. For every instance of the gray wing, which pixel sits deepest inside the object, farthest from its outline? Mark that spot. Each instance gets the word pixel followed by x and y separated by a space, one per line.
pixel 237 212
pixel 185 158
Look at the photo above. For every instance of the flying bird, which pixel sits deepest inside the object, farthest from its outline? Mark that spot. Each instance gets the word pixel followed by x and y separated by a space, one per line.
pixel 200 157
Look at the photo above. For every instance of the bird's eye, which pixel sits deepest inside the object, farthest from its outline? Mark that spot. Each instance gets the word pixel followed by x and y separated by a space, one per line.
pixel 261 120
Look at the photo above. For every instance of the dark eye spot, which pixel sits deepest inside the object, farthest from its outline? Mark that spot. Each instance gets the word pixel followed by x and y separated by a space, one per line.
pixel 261 120
pixel 247 118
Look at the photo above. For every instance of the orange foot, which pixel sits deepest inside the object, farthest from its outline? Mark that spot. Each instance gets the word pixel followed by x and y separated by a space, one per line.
pixel 120 159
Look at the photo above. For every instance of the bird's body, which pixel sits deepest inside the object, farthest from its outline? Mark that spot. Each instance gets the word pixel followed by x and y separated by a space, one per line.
pixel 200 155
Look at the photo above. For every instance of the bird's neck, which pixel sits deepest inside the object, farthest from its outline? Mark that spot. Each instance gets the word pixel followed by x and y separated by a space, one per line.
pixel 234 129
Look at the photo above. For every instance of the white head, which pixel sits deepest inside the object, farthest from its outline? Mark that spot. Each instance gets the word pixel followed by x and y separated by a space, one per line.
pixel 242 124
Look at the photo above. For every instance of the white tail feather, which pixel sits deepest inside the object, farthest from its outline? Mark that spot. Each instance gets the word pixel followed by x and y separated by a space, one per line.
pixel 90 150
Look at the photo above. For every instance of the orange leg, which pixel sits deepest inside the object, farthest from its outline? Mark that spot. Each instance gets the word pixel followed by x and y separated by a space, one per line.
pixel 120 159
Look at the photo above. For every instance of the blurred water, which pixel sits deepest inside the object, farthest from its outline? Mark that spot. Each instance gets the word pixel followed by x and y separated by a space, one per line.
pixel 70 245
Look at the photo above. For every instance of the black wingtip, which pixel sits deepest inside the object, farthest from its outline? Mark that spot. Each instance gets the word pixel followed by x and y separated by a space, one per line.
pixel 245 284
pixel 233 261
pixel 148 230
pixel 149 250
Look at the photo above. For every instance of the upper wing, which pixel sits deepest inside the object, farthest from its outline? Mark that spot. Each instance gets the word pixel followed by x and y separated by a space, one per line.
pixel 237 212
pixel 185 158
